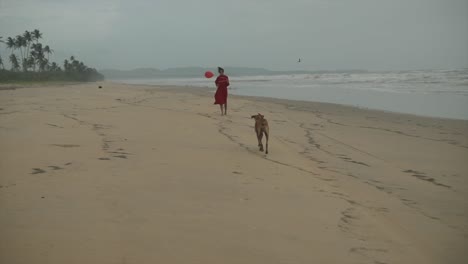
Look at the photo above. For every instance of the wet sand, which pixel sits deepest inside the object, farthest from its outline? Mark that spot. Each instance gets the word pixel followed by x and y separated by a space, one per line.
pixel 142 174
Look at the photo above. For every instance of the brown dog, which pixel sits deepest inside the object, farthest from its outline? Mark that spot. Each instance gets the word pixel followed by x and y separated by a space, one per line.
pixel 261 126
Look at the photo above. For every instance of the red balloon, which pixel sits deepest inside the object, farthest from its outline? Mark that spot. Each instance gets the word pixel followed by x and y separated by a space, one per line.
pixel 209 74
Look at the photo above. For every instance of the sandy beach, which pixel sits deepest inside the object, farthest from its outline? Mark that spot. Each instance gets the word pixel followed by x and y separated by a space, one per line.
pixel 146 174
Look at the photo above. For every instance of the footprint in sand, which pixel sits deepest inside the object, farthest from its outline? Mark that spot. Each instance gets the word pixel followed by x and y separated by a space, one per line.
pixel 37 171
pixel 66 145
pixel 55 167
pixel 53 125
pixel 7 186
pixel 424 177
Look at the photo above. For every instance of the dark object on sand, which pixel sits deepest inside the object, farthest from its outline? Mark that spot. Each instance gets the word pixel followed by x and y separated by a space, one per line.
pixel 100 86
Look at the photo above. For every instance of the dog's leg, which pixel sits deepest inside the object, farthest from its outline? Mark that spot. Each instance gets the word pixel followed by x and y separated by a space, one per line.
pixel 260 137
pixel 266 136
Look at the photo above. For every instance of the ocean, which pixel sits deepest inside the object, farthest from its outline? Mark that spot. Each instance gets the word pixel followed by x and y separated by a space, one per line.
pixel 435 93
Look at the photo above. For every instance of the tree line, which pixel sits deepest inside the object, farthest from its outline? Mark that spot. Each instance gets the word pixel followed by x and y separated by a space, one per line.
pixel 30 61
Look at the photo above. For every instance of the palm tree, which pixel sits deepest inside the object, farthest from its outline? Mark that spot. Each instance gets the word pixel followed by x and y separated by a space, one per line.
pixel 54 67
pixel 14 62
pixel 37 54
pixel 40 58
pixel 75 64
pixel 48 50
pixel 11 44
pixel 31 62
pixel 43 62
pixel 81 67
pixel 28 38
pixel 32 59
pixel 36 34
pixel 19 44
pixel 1 61
pixel 36 47
pixel 66 65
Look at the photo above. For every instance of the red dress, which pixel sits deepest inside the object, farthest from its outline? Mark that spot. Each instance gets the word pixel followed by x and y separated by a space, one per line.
pixel 222 82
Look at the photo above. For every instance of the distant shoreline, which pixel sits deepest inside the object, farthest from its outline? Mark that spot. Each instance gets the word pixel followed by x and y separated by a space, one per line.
pixel 382 92
pixel 35 84
pixel 193 72
pixel 300 105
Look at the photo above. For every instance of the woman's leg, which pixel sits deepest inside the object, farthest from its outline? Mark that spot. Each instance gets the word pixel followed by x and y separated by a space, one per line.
pixel 225 108
pixel 221 107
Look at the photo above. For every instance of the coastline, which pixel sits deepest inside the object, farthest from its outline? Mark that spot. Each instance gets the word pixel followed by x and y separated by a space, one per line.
pixel 441 94
pixel 188 88
pixel 297 104
pixel 130 167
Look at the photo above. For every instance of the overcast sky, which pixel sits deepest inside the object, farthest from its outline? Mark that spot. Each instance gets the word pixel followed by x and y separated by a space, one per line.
pixel 326 34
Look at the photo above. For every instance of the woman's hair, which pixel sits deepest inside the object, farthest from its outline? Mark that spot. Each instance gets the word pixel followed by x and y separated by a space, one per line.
pixel 220 70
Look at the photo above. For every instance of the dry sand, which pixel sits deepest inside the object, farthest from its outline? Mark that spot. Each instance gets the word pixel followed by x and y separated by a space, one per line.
pixel 139 174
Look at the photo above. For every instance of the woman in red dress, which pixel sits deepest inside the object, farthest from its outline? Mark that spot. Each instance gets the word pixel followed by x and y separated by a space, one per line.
pixel 222 83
